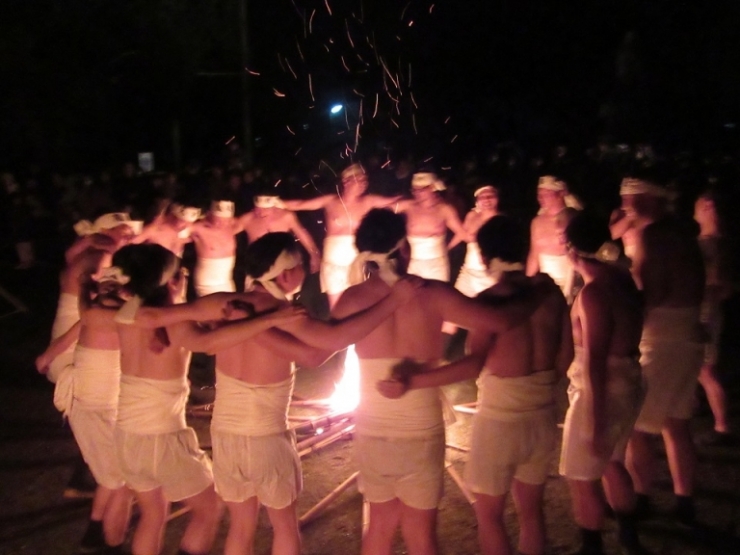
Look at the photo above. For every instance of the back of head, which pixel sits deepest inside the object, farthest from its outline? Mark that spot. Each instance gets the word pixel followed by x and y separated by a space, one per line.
pixel 263 253
pixel 503 238
pixel 587 233
pixel 149 267
pixel 380 231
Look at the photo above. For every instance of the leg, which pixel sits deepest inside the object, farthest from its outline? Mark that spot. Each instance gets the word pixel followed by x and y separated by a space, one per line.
pixel 286 534
pixel 528 500
pixel 150 530
pixel 681 455
pixel 489 510
pixel 384 519
pixel 588 503
pixel 242 527
pixel 205 516
pixel 117 516
pixel 618 487
pixel 716 397
pixel 419 530
pixel 641 461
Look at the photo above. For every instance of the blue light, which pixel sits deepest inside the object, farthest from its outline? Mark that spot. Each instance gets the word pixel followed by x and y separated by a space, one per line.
pixel 336 108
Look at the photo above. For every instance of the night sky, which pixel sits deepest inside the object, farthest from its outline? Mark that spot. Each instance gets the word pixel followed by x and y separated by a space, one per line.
pixel 90 82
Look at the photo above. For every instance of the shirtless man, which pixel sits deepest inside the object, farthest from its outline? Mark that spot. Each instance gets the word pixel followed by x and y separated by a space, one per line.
pixel 269 215
pixel 171 229
pixel 606 386
pixel 215 249
pixel 254 454
pixel 514 431
pixel 428 219
pixel 473 277
pixel 400 443
pixel 669 270
pixel 547 250
pixel 626 223
pixel 342 214
pixel 90 401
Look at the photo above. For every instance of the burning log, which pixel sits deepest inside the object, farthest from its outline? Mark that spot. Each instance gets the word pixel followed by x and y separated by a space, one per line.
pixel 321 506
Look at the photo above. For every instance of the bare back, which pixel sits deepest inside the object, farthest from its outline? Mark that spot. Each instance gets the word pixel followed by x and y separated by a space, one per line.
pixel 138 359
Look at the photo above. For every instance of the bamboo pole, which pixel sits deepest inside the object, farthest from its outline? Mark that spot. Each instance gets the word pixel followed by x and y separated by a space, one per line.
pixel 464 409
pixel 459 481
pixel 458 448
pixel 327 441
pixel 322 505
pixel 309 441
pixel 319 422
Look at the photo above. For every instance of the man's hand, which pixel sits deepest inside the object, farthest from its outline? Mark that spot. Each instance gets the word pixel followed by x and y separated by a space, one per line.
pixel 392 389
pixel 314 262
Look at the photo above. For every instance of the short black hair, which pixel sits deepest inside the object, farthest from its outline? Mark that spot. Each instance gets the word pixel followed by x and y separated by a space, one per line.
pixel 380 231
pixel 587 232
pixel 502 237
pixel 263 253
pixel 146 265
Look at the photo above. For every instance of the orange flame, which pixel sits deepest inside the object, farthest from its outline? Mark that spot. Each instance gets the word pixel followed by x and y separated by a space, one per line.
pixel 346 394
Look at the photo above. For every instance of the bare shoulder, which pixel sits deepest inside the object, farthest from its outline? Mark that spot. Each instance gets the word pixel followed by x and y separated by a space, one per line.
pixel 357 298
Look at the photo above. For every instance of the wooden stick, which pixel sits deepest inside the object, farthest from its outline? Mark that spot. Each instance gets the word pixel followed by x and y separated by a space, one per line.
pixel 309 441
pixel 327 441
pixel 320 422
pixel 464 409
pixel 459 481
pixel 178 513
pixel 458 448
pixel 321 506
pixel 299 418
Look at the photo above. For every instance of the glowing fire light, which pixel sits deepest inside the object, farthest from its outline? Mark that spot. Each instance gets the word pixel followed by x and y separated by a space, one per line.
pixel 346 394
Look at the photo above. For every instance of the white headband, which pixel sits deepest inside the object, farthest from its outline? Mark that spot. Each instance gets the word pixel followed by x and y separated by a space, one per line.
pixel 550 183
pixel 108 221
pixel 386 268
pixel 222 208
pixel 286 260
pixel 268 201
pixel 484 189
pixel 632 186
pixel 422 180
pixel 185 213
pixel 607 252
pixel 497 267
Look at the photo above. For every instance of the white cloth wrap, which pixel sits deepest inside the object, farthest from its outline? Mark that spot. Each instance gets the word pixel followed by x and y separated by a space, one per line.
pixel 559 268
pixel 249 409
pixel 96 376
pixel 511 399
pixel 214 275
pixel 429 258
pixel 339 253
pixel 68 313
pixel 416 414
pixel 672 354
pixel 625 392
pixel 148 406
pixel 94 430
pixel 473 277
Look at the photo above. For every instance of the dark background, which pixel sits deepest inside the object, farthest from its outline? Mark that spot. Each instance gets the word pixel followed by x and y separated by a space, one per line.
pixel 86 83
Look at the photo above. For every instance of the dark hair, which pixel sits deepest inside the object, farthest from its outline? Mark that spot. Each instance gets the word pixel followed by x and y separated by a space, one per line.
pixel 587 232
pixel 146 265
pixel 380 230
pixel 261 254
pixel 502 237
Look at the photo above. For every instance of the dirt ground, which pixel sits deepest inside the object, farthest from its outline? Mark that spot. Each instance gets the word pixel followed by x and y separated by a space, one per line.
pixel 37 456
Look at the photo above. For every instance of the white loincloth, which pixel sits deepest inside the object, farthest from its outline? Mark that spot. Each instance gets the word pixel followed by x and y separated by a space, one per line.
pixel 625 391
pixel 93 430
pixel 154 446
pixel 265 466
pixel 92 381
pixel 409 469
pixel 672 354
pixel 339 253
pixel 473 277
pixel 514 432
pixel 68 314
pixel 429 258
pixel 148 406
pixel 251 410
pixel 214 275
pixel 559 268
pixel 417 414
